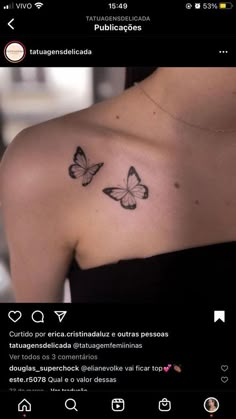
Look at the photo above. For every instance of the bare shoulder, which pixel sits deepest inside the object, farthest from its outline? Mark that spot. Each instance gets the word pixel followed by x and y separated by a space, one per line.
pixel 44 150
pixel 42 160
pixel 45 169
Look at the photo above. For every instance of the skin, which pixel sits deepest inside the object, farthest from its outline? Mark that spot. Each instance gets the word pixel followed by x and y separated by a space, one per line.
pixel 211 405
pixel 177 368
pixel 190 174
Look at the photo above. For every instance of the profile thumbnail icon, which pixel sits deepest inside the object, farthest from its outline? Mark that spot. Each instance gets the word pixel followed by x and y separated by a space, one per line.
pixel 15 52
pixel 211 405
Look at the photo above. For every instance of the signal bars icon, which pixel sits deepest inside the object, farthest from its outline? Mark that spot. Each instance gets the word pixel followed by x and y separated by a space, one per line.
pixel 9 6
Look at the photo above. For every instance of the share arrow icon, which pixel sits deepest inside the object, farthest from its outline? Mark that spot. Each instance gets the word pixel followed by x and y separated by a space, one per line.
pixel 60 315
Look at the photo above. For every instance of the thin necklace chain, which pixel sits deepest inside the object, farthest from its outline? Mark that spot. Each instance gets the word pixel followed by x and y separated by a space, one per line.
pixel 180 119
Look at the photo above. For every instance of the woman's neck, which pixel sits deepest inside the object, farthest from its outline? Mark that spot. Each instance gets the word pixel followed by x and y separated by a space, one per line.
pixel 205 97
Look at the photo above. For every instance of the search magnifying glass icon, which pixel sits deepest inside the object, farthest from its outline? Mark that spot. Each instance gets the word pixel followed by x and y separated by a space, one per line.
pixel 70 404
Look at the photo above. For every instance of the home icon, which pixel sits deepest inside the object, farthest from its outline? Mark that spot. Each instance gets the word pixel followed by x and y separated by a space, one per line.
pixel 24 406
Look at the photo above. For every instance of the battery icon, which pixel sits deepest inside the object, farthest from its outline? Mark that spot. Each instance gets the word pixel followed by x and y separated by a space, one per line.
pixel 226 6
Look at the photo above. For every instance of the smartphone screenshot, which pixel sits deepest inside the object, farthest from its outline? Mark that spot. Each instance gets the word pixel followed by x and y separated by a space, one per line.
pixel 117 209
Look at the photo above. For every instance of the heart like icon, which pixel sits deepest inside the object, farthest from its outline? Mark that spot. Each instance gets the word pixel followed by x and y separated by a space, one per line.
pixel 224 367
pixel 224 379
pixel 14 316
pixel 166 369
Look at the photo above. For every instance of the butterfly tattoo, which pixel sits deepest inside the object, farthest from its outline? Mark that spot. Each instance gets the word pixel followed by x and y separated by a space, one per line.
pixel 81 168
pixel 132 190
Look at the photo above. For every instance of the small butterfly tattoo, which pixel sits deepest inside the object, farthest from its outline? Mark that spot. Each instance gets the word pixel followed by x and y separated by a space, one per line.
pixel 81 168
pixel 127 195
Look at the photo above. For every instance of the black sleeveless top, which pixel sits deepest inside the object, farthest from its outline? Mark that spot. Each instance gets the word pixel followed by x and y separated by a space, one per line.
pixel 201 274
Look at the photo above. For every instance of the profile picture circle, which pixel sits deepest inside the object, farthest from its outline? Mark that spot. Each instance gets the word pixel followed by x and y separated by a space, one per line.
pixel 14 52
pixel 211 405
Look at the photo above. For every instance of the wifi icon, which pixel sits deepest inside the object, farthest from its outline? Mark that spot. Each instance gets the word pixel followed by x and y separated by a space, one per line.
pixel 38 5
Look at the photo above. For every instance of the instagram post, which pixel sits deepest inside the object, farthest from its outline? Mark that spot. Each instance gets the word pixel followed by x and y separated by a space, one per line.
pixel 117 209
pixel 130 280
pixel 74 237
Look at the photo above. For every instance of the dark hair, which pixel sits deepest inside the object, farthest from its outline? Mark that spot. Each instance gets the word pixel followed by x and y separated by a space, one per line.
pixel 2 145
pixel 214 401
pixel 137 74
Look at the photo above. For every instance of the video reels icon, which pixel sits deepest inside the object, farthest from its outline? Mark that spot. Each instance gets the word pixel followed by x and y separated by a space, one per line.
pixel 117 405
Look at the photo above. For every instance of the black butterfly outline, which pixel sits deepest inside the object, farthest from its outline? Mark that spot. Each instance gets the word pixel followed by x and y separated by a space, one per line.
pixel 80 168
pixel 127 196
